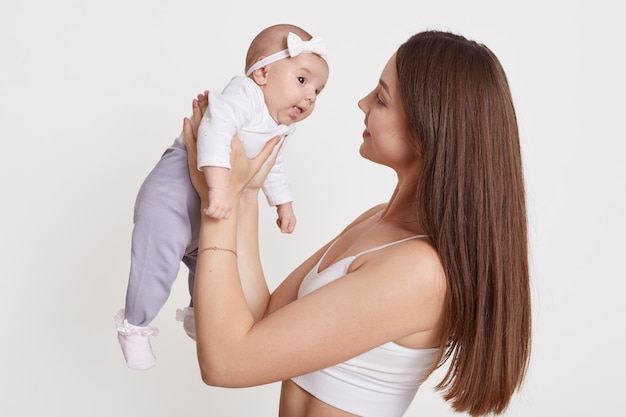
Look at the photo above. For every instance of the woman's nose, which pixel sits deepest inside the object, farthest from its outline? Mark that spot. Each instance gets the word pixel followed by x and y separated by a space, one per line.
pixel 361 104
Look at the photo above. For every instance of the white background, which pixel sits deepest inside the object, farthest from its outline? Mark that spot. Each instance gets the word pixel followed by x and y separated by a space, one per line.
pixel 91 93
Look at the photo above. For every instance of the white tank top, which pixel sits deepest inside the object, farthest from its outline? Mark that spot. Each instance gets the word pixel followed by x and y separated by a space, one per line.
pixel 378 383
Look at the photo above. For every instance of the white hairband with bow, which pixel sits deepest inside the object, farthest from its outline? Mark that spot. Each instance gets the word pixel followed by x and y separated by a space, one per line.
pixel 295 47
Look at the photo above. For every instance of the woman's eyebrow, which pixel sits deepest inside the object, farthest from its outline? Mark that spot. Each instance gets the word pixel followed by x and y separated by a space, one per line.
pixel 384 85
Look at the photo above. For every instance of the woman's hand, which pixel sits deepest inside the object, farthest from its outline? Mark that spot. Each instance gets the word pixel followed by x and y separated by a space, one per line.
pixel 190 131
pixel 253 172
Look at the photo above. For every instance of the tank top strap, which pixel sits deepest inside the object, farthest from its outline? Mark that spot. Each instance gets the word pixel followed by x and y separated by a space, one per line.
pixel 389 244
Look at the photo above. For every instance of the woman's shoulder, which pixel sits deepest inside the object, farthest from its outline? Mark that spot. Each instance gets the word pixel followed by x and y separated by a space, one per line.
pixel 410 251
pixel 411 263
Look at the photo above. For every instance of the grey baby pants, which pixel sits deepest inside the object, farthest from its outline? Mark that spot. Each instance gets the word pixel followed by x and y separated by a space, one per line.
pixel 166 228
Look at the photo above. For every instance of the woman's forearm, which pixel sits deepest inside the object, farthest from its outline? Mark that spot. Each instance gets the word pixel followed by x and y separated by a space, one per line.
pixel 223 316
pixel 251 274
pixel 221 312
pixel 230 293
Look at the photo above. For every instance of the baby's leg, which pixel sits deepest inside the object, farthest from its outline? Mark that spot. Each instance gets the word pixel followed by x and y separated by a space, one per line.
pixel 166 222
pixel 190 260
pixel 186 315
pixel 167 213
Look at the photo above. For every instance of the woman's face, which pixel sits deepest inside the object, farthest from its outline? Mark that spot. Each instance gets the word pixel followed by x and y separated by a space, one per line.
pixel 385 138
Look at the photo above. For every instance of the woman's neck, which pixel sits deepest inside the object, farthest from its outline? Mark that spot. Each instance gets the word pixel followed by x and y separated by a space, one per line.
pixel 402 207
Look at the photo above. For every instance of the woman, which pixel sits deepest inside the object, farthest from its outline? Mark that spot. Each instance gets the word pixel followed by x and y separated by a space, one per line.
pixel 438 273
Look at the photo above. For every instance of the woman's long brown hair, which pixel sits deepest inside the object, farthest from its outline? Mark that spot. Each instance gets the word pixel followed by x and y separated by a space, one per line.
pixel 471 196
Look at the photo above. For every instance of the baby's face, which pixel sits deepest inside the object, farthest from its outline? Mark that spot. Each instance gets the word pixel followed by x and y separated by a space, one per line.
pixel 293 85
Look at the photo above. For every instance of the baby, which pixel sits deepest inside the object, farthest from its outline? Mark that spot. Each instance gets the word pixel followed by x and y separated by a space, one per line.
pixel 265 103
pixel 286 68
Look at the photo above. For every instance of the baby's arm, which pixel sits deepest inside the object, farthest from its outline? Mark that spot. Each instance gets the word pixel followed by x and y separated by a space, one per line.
pixel 218 181
pixel 286 217
pixel 278 192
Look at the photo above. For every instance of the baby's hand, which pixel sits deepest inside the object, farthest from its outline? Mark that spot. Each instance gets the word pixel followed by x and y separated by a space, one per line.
pixel 219 203
pixel 286 218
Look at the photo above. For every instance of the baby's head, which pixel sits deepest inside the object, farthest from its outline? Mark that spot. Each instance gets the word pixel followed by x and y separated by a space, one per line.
pixel 290 67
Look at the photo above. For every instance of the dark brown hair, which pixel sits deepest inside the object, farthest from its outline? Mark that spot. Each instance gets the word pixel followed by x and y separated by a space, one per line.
pixel 471 196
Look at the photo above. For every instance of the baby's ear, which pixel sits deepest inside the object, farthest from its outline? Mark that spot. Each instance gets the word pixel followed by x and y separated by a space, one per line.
pixel 259 75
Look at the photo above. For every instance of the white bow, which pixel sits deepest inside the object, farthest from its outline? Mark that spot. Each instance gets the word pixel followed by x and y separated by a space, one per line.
pixel 296 46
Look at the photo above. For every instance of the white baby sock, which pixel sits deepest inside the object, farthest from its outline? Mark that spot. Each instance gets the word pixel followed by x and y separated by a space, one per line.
pixel 189 321
pixel 135 343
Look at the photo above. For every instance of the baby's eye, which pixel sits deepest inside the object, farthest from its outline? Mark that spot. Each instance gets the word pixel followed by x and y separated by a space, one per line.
pixel 301 80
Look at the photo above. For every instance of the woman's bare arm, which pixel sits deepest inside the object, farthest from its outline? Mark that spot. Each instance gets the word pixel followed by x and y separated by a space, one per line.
pixel 249 263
